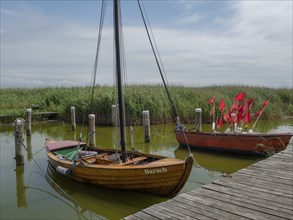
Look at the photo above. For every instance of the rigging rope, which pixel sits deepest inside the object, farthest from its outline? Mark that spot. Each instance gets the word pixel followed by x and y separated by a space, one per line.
pixel 94 75
pixel 66 194
pixel 162 73
pixel 151 40
pixel 161 69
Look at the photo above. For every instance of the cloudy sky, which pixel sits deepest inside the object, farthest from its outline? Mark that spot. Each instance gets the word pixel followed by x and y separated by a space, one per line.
pixel 53 43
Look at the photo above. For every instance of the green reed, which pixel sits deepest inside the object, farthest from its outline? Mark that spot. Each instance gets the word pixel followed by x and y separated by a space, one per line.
pixel 15 101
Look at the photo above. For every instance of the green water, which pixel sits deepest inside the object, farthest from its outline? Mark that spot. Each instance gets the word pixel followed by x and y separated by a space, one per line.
pixel 27 192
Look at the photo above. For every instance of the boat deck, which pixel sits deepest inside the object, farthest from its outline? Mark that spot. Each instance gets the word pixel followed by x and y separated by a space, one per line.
pixel 263 190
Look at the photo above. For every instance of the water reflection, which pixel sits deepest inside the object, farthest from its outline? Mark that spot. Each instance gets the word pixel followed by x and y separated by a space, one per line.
pixel 29 147
pixel 19 203
pixel 89 200
pixel 216 161
pixel 20 187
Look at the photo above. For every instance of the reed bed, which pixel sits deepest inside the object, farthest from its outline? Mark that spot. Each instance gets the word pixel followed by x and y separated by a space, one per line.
pixel 15 101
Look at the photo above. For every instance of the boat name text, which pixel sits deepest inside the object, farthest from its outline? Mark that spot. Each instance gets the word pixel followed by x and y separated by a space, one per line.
pixel 155 171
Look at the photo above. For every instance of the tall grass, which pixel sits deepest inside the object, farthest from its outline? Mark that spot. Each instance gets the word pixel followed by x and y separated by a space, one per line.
pixel 139 98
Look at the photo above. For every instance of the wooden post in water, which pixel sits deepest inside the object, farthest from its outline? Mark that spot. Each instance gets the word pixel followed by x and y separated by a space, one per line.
pixel 146 125
pixel 92 130
pixel 73 123
pixel 28 122
pixel 29 147
pixel 20 187
pixel 18 141
pixel 114 114
pixel 198 119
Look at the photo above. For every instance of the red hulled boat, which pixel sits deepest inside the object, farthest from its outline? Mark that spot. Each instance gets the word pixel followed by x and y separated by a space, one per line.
pixel 243 143
pixel 233 140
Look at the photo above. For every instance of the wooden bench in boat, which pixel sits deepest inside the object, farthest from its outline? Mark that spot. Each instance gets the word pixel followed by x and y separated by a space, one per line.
pixel 95 158
pixel 103 159
pixel 136 159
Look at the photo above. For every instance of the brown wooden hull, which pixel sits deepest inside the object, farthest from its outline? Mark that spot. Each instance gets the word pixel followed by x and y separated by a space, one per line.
pixel 235 142
pixel 163 177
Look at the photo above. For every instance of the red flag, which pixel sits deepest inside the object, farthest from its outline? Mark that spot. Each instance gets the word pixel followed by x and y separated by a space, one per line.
pixel 239 113
pixel 246 117
pixel 240 96
pixel 265 103
pixel 262 109
pixel 227 117
pixel 222 105
pixel 246 111
pixel 234 107
pixel 249 103
pixel 212 100
pixel 212 110
pixel 258 113
pixel 220 123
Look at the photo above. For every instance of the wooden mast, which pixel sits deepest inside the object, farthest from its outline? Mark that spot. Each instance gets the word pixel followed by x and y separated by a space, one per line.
pixel 117 22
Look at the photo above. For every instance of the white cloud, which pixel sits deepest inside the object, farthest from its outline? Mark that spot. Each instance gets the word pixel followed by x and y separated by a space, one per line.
pixel 189 19
pixel 271 20
pixel 252 47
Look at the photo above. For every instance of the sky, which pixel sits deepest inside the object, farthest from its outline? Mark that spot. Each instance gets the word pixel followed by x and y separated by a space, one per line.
pixel 201 43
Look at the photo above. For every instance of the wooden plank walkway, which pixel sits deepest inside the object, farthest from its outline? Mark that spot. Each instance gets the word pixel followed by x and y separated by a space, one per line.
pixel 263 190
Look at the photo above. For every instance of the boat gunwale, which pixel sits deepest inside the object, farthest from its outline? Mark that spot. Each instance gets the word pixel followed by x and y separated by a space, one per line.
pixel 234 133
pixel 168 162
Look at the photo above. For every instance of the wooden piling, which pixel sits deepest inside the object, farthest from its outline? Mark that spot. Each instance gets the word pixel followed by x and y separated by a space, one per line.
pixel 146 124
pixel 20 187
pixel 28 121
pixel 73 123
pixel 198 119
pixel 29 147
pixel 18 141
pixel 92 130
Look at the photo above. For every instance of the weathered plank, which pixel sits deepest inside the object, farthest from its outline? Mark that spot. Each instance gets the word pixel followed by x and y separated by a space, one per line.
pixel 188 210
pixel 246 203
pixel 263 190
pixel 249 174
pixel 265 194
pixel 229 208
pixel 264 184
pixel 267 200
pixel 240 186
pixel 203 208
pixel 157 213
pixel 132 217
pixel 170 212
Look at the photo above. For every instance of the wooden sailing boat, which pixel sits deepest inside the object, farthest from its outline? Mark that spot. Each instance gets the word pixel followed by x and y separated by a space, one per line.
pixel 132 170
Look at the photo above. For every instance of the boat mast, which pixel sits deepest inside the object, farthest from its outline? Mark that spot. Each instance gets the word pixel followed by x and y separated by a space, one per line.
pixel 117 22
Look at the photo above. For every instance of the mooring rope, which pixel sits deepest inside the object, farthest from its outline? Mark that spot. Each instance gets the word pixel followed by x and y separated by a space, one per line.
pixel 66 194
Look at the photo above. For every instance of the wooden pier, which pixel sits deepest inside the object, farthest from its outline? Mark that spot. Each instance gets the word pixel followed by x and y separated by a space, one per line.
pixel 39 116
pixel 263 190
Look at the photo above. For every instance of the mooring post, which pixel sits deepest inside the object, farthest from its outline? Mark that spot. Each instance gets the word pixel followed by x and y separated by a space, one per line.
pixel 198 119
pixel 92 130
pixel 114 112
pixel 146 124
pixel 29 147
pixel 18 141
pixel 73 123
pixel 20 187
pixel 28 122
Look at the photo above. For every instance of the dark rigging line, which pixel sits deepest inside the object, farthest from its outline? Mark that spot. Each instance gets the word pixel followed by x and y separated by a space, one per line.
pixel 174 110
